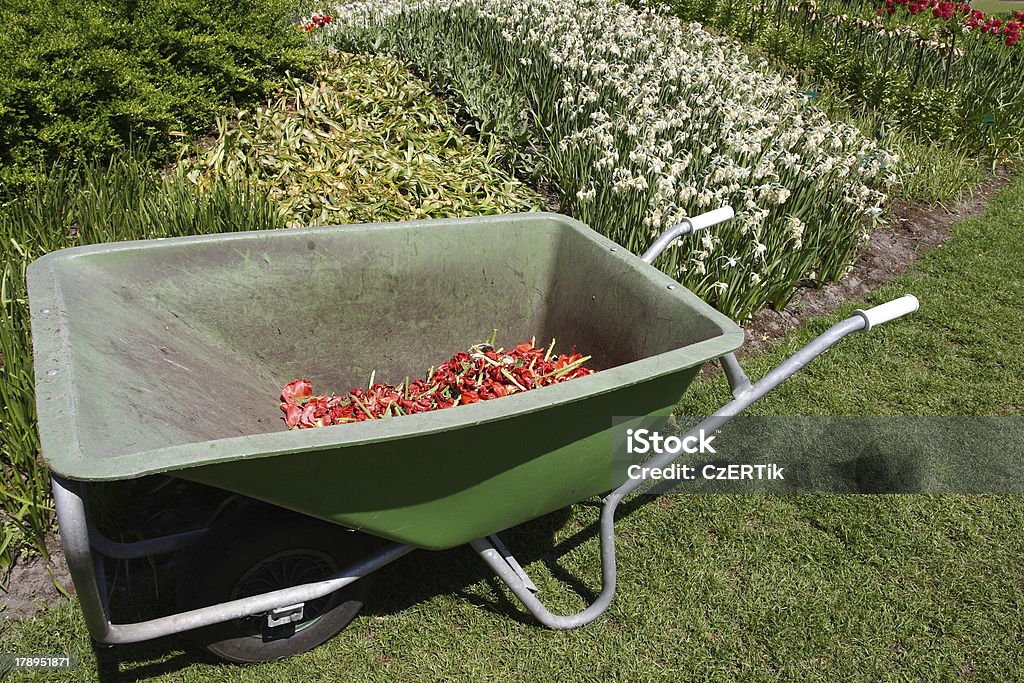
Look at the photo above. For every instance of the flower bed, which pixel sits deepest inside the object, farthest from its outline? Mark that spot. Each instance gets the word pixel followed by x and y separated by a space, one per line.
pixel 959 17
pixel 643 120
pixel 941 70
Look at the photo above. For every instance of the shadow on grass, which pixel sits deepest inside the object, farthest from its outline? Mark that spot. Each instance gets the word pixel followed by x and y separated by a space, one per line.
pixel 414 579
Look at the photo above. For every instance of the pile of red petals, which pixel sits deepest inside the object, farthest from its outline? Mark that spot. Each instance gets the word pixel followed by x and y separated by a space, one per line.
pixel 316 21
pixel 480 374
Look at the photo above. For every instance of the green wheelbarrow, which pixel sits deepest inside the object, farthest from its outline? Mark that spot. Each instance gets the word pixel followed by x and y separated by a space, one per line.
pixel 164 356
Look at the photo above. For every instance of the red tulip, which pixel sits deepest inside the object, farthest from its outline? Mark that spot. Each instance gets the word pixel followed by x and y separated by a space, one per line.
pixel 943 10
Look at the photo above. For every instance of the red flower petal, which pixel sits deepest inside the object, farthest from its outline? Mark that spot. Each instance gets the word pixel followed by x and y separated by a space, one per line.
pixel 297 391
pixel 291 415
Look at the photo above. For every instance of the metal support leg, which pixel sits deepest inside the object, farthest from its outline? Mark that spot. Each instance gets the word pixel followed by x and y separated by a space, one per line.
pixel 512 562
pixel 738 381
pixel 74 536
pixel 496 561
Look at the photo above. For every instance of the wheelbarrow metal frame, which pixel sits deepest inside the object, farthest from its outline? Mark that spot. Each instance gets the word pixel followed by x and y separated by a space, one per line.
pixel 82 544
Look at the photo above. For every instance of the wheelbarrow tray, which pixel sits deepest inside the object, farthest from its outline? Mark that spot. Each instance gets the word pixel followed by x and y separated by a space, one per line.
pixel 167 356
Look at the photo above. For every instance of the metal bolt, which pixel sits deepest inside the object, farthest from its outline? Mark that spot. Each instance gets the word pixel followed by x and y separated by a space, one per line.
pixel 671 286
pixel 53 372
pixel 46 310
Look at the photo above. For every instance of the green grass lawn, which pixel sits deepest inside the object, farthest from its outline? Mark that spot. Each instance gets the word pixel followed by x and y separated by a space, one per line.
pixel 725 587
pixel 998 6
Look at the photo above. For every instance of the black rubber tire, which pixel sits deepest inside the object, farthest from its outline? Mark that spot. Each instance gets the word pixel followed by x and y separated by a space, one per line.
pixel 265 542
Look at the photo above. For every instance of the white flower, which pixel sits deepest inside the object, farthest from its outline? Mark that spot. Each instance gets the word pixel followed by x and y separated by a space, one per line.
pixel 707 241
pixel 796 230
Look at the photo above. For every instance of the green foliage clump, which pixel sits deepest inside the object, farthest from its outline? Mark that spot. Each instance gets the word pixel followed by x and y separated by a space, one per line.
pixel 363 141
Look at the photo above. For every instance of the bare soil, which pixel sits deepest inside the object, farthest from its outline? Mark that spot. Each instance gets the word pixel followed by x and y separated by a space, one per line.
pixel 30 587
pixel 892 250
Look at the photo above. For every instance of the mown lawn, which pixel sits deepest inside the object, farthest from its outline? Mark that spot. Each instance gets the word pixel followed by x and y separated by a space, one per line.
pixel 731 587
pixel 997 6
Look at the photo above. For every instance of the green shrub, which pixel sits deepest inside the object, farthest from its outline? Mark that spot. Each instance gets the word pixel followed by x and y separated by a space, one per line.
pixel 81 80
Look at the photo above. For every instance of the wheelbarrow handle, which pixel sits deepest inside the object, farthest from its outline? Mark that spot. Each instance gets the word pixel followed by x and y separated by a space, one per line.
pixel 883 313
pixel 745 393
pixel 688 225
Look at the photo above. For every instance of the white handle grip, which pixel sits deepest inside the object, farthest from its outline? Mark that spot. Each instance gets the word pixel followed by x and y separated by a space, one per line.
pixel 706 220
pixel 883 313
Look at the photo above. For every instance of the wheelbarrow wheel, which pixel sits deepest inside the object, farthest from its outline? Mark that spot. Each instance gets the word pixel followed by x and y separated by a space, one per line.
pixel 258 549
